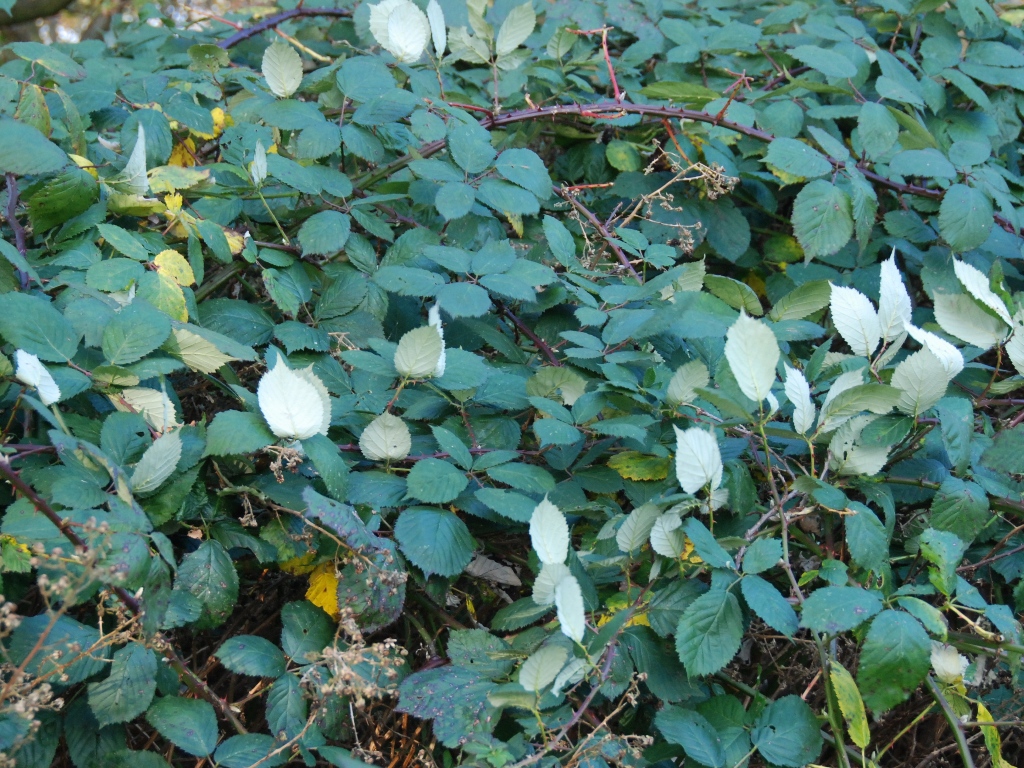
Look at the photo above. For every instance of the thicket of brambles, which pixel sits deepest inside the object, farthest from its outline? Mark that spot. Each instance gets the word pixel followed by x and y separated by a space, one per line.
pixel 582 384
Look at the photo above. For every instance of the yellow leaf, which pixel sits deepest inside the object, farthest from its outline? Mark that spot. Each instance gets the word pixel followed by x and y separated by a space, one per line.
pixel 173 203
pixel 220 120
pixel 164 294
pixel 299 566
pixel 633 465
pixel 183 154
pixel 236 242
pixel 173 264
pixel 195 351
pixel 85 164
pixel 323 588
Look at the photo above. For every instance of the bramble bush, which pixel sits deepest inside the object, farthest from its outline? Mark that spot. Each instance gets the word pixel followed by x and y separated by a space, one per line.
pixel 570 383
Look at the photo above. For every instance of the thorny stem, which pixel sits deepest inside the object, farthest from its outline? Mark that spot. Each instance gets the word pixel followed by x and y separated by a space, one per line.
pixel 189 677
pixel 541 345
pixel 602 230
pixel 270 22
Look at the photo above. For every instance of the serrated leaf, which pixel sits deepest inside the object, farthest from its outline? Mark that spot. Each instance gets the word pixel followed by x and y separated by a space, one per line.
pixel 251 655
pixel 965 217
pixel 822 219
pixel 636 528
pixel 855 319
pixel 894 660
pixel 549 533
pixel 850 703
pixel 282 68
pixel 518 26
pixel 128 689
pixel 571 612
pixel 693 733
pixel 419 352
pixel 386 438
pixel 294 403
pixel 799 393
pixel 893 301
pixel 698 459
pixel 838 609
pixel 542 667
pixel 195 351
pixel 976 283
pixel 959 315
pixel 787 733
pixel 772 608
pixel 189 724
pixel 434 540
pixel 709 632
pixel 921 380
pixel 157 463
pixel 435 481
pixel 688 378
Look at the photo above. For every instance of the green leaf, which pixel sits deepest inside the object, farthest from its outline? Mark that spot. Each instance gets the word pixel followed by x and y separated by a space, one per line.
pixel 961 508
pixel 34 325
pixel 324 233
pixel 419 352
pixel 540 670
pixel 157 464
pixel 134 332
pixel 709 632
pixel 787 733
pixel 797 158
pixel 894 660
pixel 455 200
pixel 189 724
pixel 237 432
pixel 62 198
pixel 944 551
pixel 305 629
pixel 507 198
pixel 693 733
pixel 463 300
pixel 766 601
pixel 24 151
pixel 128 689
pixel 761 555
pixel 866 537
pixel 518 26
pixel 249 749
pixel 877 128
pixel 705 544
pixel 822 220
pixel 434 540
pixel 560 241
pixel 525 168
pixel 683 92
pixel 123 241
pixel 251 655
pixel 554 432
pixel 435 481
pixel 829 63
pixel 965 217
pixel 470 147
pixel 623 156
pixel 831 610
pixel 210 576
pixel 928 163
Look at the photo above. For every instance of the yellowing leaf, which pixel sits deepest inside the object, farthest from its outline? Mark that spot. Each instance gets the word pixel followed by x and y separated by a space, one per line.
pixel 195 351
pixel 170 178
pixel 323 588
pixel 164 294
pixel 174 265
pixel 220 121
pixel 235 241
pixel 183 154
pixel 300 565
pixel 633 465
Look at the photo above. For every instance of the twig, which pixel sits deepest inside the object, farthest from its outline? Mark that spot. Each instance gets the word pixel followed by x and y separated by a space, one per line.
pixel 601 229
pixel 603 31
pixel 542 345
pixel 279 18
pixel 12 220
pixel 189 677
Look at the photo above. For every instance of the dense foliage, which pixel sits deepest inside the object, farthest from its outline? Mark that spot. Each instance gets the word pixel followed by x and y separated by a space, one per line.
pixel 577 383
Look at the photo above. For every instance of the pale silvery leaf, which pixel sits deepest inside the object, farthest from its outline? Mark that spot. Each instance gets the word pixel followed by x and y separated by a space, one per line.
pixel 719 498
pixel 571 674
pixel 569 605
pixel 542 667
pixel 549 533
pixel 890 351
pixel 548 578
pixel 434 321
pixel 134 174
pixel 379 15
pixel 1015 349
pixel 408 32
pixel 848 457
pixel 195 351
pixel 773 404
pixel 843 382
pixel 698 460
pixel 921 380
pixel 313 380
pixel 515 29
pixel 386 438
pixel 948 663
pixel 33 373
pixel 799 393
pixel 419 352
pixel 437 29
pixel 977 284
pixel 152 404
pixel 893 300
pixel 282 68
pixel 685 382
pixel 157 463
pixel 667 536
pixel 752 352
pixel 635 529
pixel 951 358
pixel 958 315
pixel 855 319
pixel 293 406
pixel 258 167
